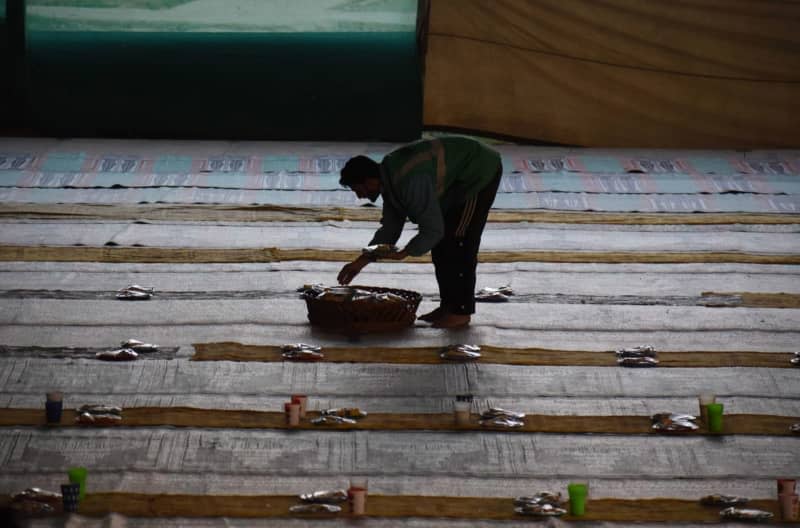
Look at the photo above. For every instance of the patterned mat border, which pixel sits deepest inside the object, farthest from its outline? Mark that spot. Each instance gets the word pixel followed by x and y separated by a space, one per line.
pixel 231 351
pixel 746 424
pixel 661 510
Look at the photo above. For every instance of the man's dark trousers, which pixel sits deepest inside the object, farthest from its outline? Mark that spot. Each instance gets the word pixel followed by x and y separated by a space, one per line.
pixel 455 257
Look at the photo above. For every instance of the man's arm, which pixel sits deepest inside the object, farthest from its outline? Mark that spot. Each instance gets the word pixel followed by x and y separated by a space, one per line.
pixel 392 222
pixel 424 209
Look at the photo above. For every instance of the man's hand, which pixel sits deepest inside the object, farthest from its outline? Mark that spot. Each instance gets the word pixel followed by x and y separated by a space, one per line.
pixel 349 271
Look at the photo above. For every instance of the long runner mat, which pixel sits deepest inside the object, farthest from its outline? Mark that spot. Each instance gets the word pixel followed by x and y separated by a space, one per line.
pixel 598 183
pixel 276 213
pixel 748 424
pixel 136 157
pixel 490 354
pixel 709 299
pixel 254 506
pixel 565 201
pixel 233 255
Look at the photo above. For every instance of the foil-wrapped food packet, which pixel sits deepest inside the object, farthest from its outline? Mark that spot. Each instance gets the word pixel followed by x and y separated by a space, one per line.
pixel 31 507
pixel 127 295
pixel 385 297
pixel 540 510
pixel 35 501
pixel 637 351
pixel 38 495
pixel 134 292
pixel 637 362
pixel 345 412
pixel 325 496
pixel 98 419
pixel 497 412
pixel 93 408
pixel 94 414
pixel 796 359
pixel 310 290
pixel 795 428
pixel 139 346
pixel 460 352
pixel 122 354
pixel 301 352
pixel 670 422
pixel 543 497
pixel 315 508
pixel 741 514
pixel 337 293
pixel 144 289
pixel 500 294
pixel 502 422
pixel 723 500
pixel 323 420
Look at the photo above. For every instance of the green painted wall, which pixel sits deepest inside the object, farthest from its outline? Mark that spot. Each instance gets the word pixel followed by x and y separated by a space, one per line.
pixel 341 69
pixel 253 85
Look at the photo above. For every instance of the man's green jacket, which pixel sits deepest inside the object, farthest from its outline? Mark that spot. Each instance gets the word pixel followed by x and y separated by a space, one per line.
pixel 424 180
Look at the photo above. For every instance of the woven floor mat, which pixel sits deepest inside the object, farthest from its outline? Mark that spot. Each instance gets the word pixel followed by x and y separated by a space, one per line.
pixel 277 213
pixel 489 354
pixel 748 424
pixel 613 510
pixel 226 255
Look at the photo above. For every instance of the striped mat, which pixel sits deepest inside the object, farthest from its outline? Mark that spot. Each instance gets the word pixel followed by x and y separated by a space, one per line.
pixel 748 424
pixel 396 506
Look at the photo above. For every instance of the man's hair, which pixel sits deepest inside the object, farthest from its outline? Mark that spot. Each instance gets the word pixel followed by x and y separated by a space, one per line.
pixel 357 170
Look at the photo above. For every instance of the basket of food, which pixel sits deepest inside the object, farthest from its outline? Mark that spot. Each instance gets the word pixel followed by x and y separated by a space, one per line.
pixel 355 310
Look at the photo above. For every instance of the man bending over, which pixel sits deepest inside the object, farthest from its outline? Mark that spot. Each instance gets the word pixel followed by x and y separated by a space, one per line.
pixel 446 186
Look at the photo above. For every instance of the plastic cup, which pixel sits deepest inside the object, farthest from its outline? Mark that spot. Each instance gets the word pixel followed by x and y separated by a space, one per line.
pixel 790 506
pixel 302 399
pixel 70 494
pixel 462 411
pixel 292 411
pixel 52 410
pixel 702 401
pixel 357 494
pixel 578 493
pixel 787 486
pixel 77 475
pixel 53 407
pixel 715 417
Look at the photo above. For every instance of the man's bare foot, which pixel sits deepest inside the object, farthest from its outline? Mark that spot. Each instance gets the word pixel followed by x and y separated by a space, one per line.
pixel 431 316
pixel 451 321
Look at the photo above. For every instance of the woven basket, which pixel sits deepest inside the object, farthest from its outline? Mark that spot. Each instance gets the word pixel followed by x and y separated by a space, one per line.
pixel 364 316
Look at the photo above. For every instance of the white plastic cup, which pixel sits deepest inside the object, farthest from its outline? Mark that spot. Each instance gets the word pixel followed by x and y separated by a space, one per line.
pixel 294 414
pixel 787 486
pixel 357 493
pixel 302 399
pixel 790 506
pixel 703 400
pixel 461 410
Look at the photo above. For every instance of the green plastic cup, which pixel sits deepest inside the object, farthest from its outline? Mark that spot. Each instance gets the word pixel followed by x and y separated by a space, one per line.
pixel 715 417
pixel 77 475
pixel 577 498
